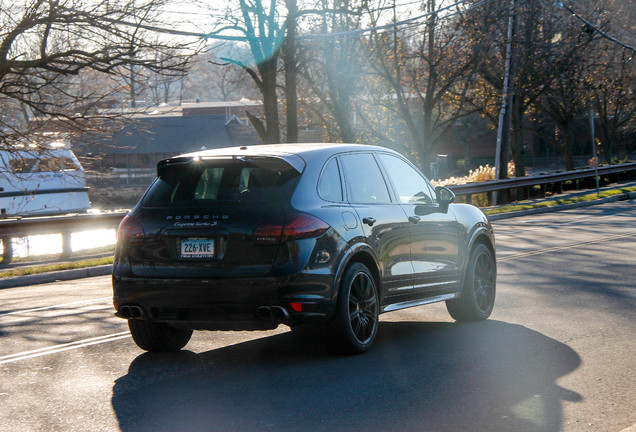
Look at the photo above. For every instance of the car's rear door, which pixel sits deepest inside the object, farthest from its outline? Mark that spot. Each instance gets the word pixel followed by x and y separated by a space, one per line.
pixel 385 223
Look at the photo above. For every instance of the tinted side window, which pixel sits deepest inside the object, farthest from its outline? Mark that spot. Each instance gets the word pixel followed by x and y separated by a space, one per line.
pixel 330 187
pixel 365 179
pixel 411 186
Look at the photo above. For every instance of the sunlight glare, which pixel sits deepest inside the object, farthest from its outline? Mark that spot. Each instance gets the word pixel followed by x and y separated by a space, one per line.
pixel 49 244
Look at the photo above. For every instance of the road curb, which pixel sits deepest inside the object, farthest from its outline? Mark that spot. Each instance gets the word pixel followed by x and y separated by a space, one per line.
pixel 60 275
pixel 621 197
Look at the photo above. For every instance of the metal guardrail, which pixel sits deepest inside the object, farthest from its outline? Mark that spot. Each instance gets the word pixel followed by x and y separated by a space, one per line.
pixel 541 180
pixel 65 224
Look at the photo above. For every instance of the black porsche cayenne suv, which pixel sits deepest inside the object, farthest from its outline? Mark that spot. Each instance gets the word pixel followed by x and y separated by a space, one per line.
pixel 325 235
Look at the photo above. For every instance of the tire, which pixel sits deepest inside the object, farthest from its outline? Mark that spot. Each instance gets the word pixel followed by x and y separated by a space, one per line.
pixel 477 298
pixel 354 325
pixel 158 337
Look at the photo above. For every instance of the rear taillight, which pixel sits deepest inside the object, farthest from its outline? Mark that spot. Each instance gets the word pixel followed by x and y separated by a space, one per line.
pixel 298 226
pixel 130 231
pixel 292 227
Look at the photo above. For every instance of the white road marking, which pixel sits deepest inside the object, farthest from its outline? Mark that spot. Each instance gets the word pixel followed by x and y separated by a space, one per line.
pixel 56 306
pixel 558 248
pixel 63 347
pixel 554 225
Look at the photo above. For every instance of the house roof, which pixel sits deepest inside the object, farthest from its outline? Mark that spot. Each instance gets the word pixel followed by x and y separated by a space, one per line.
pixel 178 134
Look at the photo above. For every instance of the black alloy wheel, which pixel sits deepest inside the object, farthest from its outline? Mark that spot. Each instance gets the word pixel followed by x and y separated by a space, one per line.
pixel 484 282
pixel 363 315
pixel 478 295
pixel 354 325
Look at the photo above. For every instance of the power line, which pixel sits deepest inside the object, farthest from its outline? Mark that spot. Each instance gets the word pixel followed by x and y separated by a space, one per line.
pixel 595 28
pixel 409 21
pixel 614 27
pixel 216 14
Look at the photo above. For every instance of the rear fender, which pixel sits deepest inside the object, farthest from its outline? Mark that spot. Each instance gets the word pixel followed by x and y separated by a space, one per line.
pixel 481 233
pixel 474 227
pixel 358 252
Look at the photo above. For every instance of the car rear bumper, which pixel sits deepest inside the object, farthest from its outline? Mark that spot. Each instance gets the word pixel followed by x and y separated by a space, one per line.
pixel 225 304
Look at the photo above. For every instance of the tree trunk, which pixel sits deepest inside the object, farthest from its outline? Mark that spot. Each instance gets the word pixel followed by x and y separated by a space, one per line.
pixel 516 138
pixel 427 143
pixel 607 132
pixel 132 87
pixel 267 71
pixel 606 147
pixel 166 92
pixel 567 144
pixel 342 112
pixel 290 73
pixel 340 88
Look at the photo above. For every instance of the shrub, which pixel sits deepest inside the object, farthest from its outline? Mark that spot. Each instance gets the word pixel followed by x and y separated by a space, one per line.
pixel 478 175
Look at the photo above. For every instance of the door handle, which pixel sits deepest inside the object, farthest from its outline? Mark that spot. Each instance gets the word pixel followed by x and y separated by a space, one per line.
pixel 368 220
pixel 414 219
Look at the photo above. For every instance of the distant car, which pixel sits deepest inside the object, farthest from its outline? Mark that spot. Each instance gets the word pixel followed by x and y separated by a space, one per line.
pixel 325 235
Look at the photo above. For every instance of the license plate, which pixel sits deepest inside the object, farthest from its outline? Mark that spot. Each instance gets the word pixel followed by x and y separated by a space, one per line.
pixel 197 248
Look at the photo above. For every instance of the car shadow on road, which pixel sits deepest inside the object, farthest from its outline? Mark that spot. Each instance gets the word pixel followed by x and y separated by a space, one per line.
pixel 420 376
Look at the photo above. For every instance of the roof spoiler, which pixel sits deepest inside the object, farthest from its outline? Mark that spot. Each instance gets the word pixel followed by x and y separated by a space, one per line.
pixel 294 161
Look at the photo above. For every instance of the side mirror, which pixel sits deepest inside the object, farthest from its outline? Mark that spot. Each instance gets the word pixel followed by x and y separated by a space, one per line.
pixel 445 197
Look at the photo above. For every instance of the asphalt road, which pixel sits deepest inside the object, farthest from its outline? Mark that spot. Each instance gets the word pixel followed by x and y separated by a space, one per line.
pixel 558 354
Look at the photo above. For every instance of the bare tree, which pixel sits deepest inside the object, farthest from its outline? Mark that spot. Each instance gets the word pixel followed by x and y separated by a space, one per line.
pixel 554 62
pixel 291 71
pixel 165 87
pixel 260 27
pixel 566 72
pixel 427 68
pixel 333 62
pixel 47 46
pixel 614 96
pixel 211 79
pixel 531 41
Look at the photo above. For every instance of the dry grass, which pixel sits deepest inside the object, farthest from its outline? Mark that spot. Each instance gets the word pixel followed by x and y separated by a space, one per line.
pixel 478 175
pixel 55 267
pixel 563 201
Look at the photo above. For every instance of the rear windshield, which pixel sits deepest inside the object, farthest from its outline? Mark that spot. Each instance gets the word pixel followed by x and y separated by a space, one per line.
pixel 202 182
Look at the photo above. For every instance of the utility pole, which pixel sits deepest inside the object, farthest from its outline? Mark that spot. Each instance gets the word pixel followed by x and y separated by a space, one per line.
pixel 505 115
